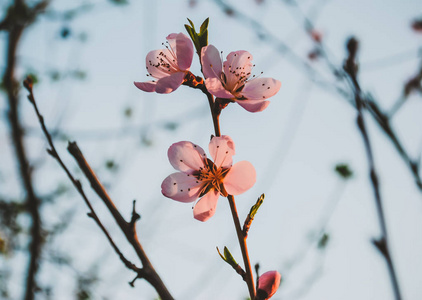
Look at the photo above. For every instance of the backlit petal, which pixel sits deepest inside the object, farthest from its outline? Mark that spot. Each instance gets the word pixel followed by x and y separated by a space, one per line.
pixel 253 105
pixel 221 150
pixel 152 61
pixel 183 47
pixel 238 64
pixel 186 157
pixel 169 83
pixel 215 87
pixel 211 62
pixel 240 178
pixel 261 88
pixel 148 86
pixel 181 187
pixel 205 208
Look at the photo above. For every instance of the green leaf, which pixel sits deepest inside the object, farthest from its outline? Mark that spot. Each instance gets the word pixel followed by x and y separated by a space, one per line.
pixel 254 209
pixel 204 26
pixel 191 23
pixel 228 257
pixel 323 241
pixel 203 39
pixel 344 171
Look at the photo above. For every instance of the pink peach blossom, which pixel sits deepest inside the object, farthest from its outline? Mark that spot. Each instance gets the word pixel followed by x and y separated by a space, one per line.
pixel 169 66
pixel 268 284
pixel 230 80
pixel 200 177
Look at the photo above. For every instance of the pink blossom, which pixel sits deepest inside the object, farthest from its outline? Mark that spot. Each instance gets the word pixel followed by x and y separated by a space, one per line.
pixel 200 177
pixel 230 80
pixel 169 66
pixel 268 284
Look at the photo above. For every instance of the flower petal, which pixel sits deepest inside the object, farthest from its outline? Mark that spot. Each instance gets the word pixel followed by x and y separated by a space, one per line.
pixel 148 86
pixel 186 157
pixel 211 62
pixel 238 64
pixel 261 88
pixel 253 105
pixel 181 187
pixel 169 83
pixel 222 149
pixel 183 48
pixel 205 208
pixel 240 178
pixel 215 87
pixel 153 63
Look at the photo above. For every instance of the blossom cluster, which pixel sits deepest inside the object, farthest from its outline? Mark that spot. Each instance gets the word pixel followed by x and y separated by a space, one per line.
pixel 229 81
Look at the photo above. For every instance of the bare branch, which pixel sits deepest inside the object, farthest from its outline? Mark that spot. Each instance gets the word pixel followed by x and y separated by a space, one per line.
pixel 147 271
pixel 351 69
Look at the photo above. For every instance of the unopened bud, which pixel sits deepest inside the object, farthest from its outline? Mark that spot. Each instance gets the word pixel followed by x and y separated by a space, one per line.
pixel 268 284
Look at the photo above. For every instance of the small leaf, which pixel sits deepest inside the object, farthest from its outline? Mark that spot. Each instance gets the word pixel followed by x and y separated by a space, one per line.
pixel 204 26
pixel 191 23
pixel 229 257
pixel 203 39
pixel 323 241
pixel 343 171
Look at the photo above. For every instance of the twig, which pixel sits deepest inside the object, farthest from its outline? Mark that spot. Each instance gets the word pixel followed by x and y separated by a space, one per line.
pixel 382 244
pixel 128 228
pixel 52 151
pixel 147 271
pixel 381 118
pixel 243 246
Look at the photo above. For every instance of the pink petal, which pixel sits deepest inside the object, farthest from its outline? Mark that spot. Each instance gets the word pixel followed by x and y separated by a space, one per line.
pixel 169 83
pixel 186 157
pixel 240 178
pixel 268 284
pixel 215 87
pixel 211 62
pixel 181 187
pixel 152 60
pixel 253 105
pixel 237 62
pixel 222 149
pixel 205 208
pixel 182 46
pixel 261 88
pixel 148 86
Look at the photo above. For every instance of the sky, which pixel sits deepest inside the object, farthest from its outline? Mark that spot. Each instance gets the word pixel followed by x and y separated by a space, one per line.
pixel 294 146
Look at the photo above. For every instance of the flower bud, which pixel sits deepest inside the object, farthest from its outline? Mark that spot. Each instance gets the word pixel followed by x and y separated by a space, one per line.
pixel 268 284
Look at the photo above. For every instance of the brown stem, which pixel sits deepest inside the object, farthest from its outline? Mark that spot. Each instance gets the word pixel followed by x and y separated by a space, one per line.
pixel 243 246
pixel 242 239
pixel 128 228
pixel 53 152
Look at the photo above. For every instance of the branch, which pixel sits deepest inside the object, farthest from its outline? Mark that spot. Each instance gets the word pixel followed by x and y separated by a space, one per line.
pixel 147 271
pixel 351 69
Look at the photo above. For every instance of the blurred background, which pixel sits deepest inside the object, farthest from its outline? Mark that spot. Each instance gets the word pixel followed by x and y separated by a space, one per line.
pixel 319 218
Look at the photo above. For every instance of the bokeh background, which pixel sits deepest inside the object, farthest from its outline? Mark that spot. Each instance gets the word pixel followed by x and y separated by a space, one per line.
pixel 316 225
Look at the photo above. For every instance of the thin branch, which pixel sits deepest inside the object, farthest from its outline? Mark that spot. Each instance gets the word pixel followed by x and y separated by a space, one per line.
pixel 243 246
pixel 382 244
pixel 147 271
pixel 127 228
pixel 53 152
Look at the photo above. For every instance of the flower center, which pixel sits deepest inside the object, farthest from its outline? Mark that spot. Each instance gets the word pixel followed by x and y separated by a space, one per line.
pixel 212 178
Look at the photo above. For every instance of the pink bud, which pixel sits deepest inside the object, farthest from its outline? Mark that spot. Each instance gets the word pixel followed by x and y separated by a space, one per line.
pixel 268 284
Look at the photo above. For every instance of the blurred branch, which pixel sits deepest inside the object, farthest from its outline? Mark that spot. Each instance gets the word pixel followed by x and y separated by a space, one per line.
pixel 351 68
pixel 147 271
pixel 18 17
